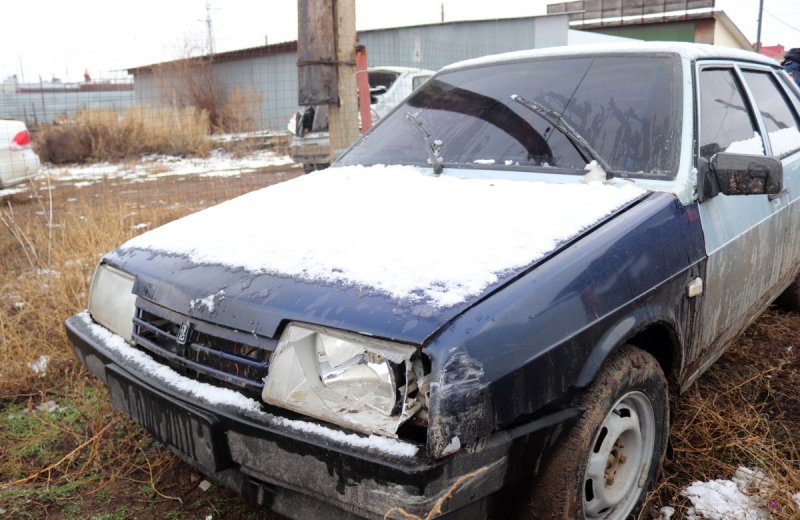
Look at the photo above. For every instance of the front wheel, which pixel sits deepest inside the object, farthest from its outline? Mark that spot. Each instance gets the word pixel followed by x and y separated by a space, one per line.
pixel 610 459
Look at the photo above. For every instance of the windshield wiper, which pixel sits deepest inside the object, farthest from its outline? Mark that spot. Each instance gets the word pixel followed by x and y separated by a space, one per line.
pixel 434 147
pixel 558 121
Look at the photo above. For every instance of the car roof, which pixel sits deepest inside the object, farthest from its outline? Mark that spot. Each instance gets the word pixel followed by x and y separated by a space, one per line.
pixel 691 51
pixel 399 70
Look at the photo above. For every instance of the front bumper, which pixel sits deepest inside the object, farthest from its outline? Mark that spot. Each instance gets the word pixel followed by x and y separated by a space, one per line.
pixel 314 148
pixel 299 468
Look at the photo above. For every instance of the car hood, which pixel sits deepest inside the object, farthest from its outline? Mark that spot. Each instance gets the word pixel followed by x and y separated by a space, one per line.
pixel 389 251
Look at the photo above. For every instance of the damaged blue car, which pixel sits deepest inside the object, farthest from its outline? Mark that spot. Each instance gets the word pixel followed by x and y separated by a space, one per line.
pixel 489 303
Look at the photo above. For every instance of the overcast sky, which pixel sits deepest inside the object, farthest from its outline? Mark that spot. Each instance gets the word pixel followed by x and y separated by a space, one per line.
pixel 63 38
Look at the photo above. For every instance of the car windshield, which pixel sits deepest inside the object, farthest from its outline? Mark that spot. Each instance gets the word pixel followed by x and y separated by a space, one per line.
pixel 626 107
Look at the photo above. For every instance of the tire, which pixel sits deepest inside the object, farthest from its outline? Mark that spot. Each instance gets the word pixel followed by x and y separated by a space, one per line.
pixel 611 458
pixel 311 167
pixel 790 298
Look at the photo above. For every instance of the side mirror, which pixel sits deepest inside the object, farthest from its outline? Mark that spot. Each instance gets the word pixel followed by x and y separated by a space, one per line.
pixel 740 174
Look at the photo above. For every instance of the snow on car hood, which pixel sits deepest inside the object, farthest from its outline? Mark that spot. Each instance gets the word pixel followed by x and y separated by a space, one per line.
pixel 397 230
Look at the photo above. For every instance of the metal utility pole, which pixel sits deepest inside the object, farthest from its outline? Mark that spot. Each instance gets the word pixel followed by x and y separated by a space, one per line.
pixel 343 117
pixel 760 17
pixel 209 30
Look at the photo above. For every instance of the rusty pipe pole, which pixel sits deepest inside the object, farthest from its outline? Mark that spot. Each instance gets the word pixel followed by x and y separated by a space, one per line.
pixel 362 79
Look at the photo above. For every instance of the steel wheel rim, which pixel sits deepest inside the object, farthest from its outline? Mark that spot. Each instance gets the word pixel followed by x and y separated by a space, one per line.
pixel 619 459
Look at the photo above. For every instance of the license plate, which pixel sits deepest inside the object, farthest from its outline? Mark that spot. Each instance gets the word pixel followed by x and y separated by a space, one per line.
pixel 191 432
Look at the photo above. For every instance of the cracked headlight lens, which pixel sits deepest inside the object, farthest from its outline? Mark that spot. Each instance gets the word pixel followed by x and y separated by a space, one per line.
pixel 344 378
pixel 112 303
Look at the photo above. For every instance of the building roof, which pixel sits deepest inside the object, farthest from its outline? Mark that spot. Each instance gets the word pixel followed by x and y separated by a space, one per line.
pixel 291 46
pixel 220 57
pixel 773 51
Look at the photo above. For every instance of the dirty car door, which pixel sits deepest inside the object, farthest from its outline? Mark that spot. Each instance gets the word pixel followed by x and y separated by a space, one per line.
pixel 744 234
pixel 778 102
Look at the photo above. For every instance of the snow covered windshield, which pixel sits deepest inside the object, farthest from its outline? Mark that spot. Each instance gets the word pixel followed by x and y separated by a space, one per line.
pixel 626 107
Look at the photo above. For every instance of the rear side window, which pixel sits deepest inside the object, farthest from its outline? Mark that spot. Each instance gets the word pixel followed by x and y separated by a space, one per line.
pixel 382 78
pixel 778 117
pixel 791 91
pixel 726 124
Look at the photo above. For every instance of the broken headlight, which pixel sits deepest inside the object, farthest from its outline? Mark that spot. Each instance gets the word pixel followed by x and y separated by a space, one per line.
pixel 347 379
pixel 111 300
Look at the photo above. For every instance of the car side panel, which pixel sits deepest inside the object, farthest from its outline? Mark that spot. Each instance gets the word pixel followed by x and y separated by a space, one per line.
pixel 791 185
pixel 17 166
pixel 530 345
pixel 745 239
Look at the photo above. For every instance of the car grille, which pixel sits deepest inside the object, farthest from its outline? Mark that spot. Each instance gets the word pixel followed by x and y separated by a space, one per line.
pixel 201 350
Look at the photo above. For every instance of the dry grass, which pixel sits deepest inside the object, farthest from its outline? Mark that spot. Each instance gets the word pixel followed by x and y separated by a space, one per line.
pixel 745 411
pixel 84 458
pixel 239 110
pixel 109 135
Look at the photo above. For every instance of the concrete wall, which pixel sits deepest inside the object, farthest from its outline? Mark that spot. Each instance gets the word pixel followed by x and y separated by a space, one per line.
pixel 268 84
pixel 723 36
pixel 433 46
pixel 683 31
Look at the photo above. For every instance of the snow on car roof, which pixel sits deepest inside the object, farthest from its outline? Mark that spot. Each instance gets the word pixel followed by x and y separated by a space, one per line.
pixel 692 51
pixel 398 70
pixel 398 230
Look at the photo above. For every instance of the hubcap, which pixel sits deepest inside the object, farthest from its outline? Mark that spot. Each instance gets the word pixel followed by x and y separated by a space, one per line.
pixel 619 459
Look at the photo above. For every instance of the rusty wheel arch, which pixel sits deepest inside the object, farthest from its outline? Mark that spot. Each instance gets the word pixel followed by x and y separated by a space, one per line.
pixel 660 340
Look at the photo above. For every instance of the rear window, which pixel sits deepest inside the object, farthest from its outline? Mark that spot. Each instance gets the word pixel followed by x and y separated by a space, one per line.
pixel 626 107
pixel 385 79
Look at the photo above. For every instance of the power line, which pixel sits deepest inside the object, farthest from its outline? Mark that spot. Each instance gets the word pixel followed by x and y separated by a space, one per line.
pixel 790 26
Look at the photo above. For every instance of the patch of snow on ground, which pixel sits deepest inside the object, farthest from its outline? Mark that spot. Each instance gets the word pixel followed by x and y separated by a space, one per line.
pixel 48 406
pixel 396 229
pixel 218 164
pixel 11 191
pixel 39 366
pixel 744 497
pixel 721 500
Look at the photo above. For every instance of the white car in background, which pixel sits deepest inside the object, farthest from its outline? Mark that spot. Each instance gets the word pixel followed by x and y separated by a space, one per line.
pixel 18 162
pixel 388 86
